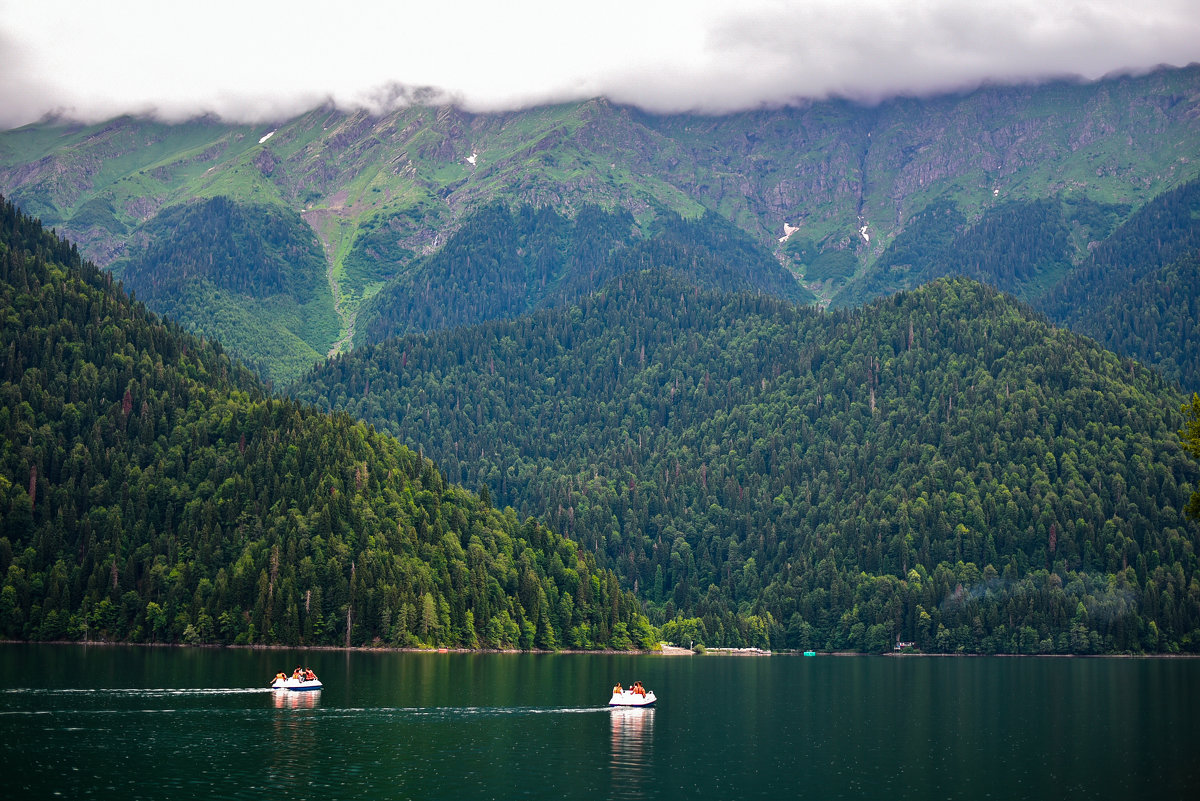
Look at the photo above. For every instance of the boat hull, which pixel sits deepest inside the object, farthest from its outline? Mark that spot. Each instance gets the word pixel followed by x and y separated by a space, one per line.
pixel 296 685
pixel 632 699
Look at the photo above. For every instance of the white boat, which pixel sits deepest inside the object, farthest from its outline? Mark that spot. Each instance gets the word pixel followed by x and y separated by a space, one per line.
pixel 297 685
pixel 630 698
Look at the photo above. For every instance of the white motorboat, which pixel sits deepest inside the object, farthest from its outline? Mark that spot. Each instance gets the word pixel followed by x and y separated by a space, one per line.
pixel 297 685
pixel 631 698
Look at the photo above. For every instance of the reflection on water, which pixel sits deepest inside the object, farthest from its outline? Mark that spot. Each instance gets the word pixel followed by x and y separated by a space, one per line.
pixel 632 751
pixel 295 737
pixel 286 699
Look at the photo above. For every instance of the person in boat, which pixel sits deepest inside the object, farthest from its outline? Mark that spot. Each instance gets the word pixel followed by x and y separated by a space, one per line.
pixel 309 675
pixel 280 675
pixel 618 689
pixel 297 674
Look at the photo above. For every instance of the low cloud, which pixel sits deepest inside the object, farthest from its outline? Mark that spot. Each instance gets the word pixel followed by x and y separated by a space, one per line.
pixel 254 62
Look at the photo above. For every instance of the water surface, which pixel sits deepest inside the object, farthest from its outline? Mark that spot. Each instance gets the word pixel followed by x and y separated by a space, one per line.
pixel 159 723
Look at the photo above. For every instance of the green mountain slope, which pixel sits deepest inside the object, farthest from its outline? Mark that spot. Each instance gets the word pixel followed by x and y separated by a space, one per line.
pixel 503 263
pixel 1126 283
pixel 943 466
pixel 382 192
pixel 1020 247
pixel 1155 319
pixel 1136 292
pixel 252 275
pixel 151 491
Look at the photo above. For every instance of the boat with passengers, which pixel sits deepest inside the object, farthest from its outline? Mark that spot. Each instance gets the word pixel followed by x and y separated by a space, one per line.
pixel 301 680
pixel 635 696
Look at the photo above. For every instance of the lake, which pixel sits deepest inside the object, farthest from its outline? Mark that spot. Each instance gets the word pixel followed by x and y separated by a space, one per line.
pixel 155 723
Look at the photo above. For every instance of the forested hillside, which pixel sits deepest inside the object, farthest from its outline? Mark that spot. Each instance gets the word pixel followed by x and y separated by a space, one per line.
pixel 249 274
pixel 1156 318
pixel 504 262
pixel 1137 291
pixel 942 466
pixel 1020 247
pixel 1126 279
pixel 150 490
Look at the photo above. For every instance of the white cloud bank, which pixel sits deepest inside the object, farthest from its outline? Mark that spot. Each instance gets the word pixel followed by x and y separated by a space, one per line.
pixel 257 61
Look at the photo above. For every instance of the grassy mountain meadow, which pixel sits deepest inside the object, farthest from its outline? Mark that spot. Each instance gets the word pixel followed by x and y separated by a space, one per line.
pixel 876 198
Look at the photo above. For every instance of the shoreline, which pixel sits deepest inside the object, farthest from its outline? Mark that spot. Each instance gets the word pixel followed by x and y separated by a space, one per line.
pixel 663 650
pixel 353 648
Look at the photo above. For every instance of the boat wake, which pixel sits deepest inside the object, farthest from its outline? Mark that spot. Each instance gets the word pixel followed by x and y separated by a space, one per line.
pixel 462 712
pixel 160 692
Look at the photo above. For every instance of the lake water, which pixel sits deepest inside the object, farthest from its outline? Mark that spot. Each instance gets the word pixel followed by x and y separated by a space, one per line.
pixel 158 723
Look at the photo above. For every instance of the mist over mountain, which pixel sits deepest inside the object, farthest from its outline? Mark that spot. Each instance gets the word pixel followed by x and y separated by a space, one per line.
pixel 871 199
pixel 251 64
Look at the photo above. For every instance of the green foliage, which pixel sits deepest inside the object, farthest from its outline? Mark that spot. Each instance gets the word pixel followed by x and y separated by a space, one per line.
pixel 1020 247
pixel 1163 231
pixel 98 213
pixel 500 263
pixel 1139 291
pixel 377 255
pixel 1155 319
pixel 711 254
pixel 150 490
pixel 382 191
pixel 504 262
pixel 1134 288
pixel 252 276
pixel 247 249
pixel 941 466
pixel 817 265
pixel 1189 435
pixel 832 265
pixel 800 248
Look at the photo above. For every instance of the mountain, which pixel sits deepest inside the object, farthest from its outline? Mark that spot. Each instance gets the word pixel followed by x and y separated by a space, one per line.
pixel 1021 247
pixel 942 466
pixel 1137 291
pixel 505 262
pixel 152 490
pixel 250 275
pixel 1156 318
pixel 849 182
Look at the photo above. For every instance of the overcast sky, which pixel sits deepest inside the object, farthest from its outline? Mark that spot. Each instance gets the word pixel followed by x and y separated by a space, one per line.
pixel 253 60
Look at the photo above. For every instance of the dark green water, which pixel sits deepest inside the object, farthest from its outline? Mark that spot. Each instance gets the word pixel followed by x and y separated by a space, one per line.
pixel 126 723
